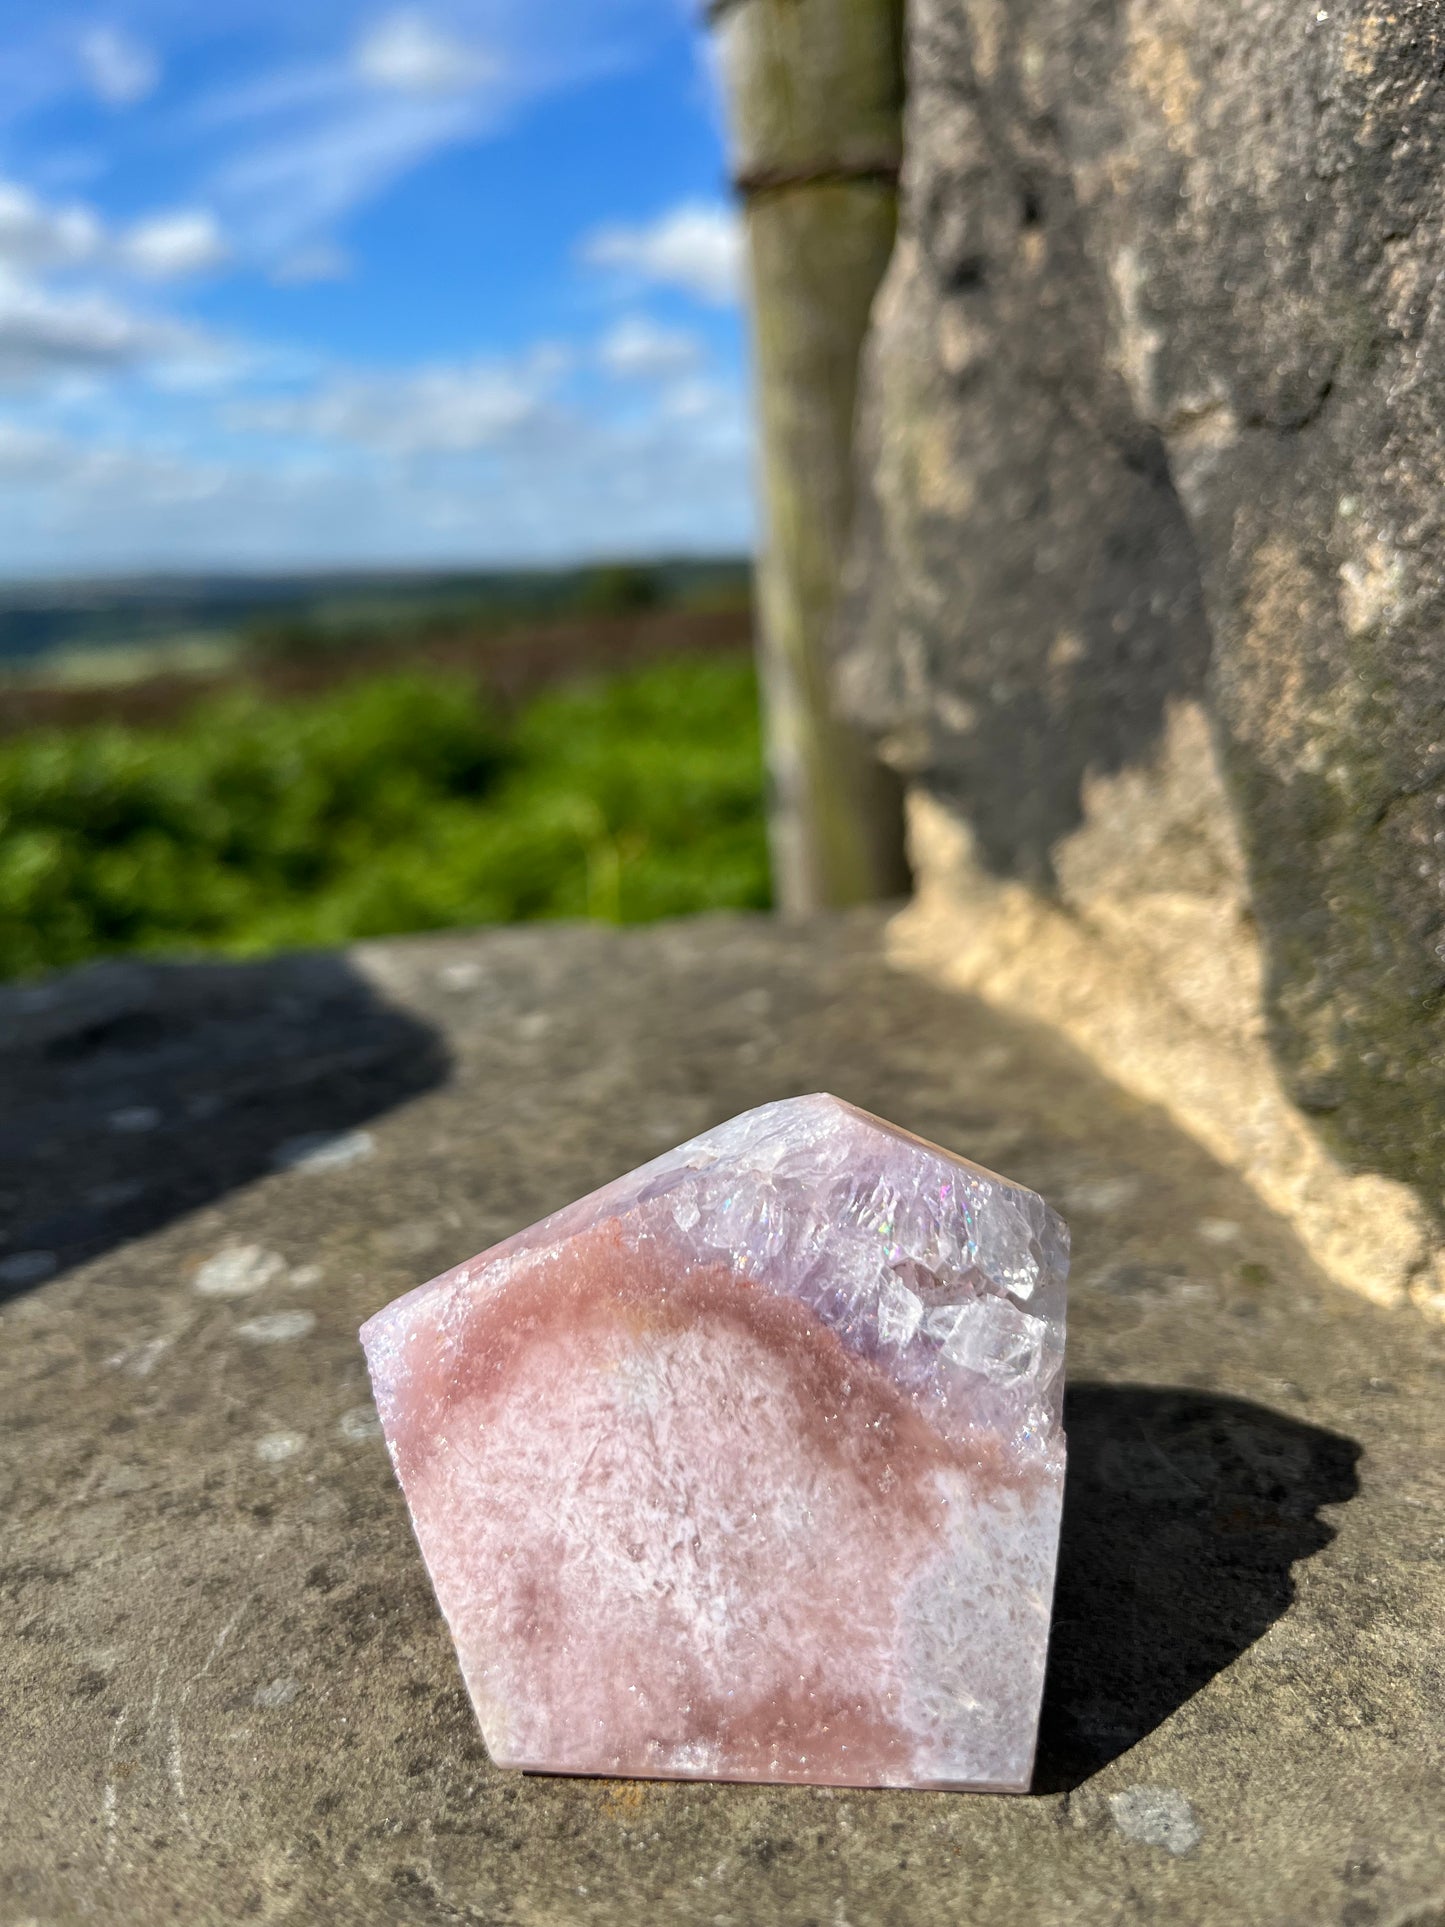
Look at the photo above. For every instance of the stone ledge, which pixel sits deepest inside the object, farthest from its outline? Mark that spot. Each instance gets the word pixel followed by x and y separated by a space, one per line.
pixel 227 1691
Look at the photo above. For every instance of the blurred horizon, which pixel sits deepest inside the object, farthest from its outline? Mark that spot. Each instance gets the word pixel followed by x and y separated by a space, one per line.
pixel 48 586
pixel 364 289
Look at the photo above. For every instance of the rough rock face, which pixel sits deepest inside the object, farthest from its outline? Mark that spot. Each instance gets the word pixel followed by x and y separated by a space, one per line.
pixel 1155 415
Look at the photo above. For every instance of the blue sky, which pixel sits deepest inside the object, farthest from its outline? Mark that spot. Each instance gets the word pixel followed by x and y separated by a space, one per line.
pixel 320 283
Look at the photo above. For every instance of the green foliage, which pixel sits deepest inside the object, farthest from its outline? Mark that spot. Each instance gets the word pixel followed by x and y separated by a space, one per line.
pixel 618 589
pixel 294 637
pixel 397 803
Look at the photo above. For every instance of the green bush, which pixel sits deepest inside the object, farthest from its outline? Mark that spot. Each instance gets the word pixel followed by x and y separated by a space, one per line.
pixel 618 589
pixel 397 803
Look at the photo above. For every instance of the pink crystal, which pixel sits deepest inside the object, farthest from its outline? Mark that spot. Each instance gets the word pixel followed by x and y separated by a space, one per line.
pixel 749 1465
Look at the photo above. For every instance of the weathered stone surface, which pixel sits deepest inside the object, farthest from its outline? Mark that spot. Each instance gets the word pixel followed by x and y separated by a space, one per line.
pixel 1156 415
pixel 225 1690
pixel 748 1465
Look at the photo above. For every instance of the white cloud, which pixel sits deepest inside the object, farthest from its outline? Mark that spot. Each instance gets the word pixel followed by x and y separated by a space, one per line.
pixel 442 410
pixel 137 498
pixel 318 261
pixel 309 172
pixel 120 69
pixel 34 235
pixel 40 459
pixel 639 348
pixel 52 330
pixel 696 247
pixel 38 237
pixel 26 454
pixel 412 55
pixel 44 334
pixel 363 93
pixel 703 402
pixel 186 242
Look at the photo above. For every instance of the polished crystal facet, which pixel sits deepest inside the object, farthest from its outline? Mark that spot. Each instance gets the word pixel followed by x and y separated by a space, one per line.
pixel 749 1465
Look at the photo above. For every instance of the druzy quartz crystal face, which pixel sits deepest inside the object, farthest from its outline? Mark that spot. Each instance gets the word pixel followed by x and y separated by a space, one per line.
pixel 749 1465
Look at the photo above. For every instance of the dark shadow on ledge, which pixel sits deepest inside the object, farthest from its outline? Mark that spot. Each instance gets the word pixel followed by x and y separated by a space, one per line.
pixel 131 1092
pixel 1183 1515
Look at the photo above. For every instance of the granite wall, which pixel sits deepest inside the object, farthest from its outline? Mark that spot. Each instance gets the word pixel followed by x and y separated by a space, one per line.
pixel 1146 589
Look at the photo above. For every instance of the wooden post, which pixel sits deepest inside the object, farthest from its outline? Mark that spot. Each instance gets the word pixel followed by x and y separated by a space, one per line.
pixel 815 90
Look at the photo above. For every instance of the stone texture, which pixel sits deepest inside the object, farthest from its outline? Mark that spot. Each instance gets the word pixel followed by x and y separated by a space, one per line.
pixel 1159 986
pixel 747 1466
pixel 225 1690
pixel 1155 419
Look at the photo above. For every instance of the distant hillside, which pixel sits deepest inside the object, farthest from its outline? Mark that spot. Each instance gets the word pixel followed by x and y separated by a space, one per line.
pixel 39 619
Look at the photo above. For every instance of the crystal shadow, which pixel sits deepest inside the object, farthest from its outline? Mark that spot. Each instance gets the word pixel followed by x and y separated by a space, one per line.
pixel 135 1091
pixel 1184 1512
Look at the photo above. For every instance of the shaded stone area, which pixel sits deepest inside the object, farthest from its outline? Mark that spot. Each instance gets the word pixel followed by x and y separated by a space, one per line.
pixel 1154 412
pixel 225 1690
pixel 1185 1511
pixel 135 1092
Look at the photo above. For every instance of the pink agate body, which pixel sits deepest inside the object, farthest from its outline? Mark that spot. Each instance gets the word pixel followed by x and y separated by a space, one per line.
pixel 749 1465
